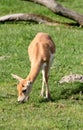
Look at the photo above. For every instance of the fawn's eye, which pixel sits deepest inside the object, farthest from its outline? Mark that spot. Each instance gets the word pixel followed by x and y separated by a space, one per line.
pixel 24 91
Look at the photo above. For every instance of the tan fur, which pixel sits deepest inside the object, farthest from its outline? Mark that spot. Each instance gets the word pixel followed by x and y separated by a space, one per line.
pixel 40 51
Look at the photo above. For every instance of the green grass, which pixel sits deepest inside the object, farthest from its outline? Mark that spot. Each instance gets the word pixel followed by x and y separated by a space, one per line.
pixel 65 111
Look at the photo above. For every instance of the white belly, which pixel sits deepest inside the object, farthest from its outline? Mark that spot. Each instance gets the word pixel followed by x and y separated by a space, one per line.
pixel 50 62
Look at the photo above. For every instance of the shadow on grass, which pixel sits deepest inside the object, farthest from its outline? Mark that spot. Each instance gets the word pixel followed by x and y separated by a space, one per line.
pixel 72 24
pixel 44 100
pixel 74 90
pixel 68 91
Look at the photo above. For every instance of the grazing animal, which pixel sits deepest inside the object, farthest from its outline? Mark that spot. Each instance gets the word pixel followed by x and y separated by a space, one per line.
pixel 41 53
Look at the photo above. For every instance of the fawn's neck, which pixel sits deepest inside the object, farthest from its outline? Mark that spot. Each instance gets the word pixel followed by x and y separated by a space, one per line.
pixel 33 73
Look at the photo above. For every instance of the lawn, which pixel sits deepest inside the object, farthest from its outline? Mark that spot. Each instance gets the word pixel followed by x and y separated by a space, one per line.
pixel 65 110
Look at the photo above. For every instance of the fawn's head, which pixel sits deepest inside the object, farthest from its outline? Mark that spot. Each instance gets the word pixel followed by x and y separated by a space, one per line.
pixel 23 88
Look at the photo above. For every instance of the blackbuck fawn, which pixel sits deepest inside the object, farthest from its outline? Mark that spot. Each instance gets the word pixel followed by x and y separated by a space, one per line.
pixel 41 53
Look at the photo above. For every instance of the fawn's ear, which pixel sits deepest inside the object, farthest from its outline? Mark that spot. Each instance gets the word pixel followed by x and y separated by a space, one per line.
pixel 17 77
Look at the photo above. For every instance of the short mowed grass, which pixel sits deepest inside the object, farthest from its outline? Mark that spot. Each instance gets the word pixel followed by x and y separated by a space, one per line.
pixel 65 110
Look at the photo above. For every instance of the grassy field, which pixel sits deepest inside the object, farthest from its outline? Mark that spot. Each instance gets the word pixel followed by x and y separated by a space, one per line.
pixel 65 111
